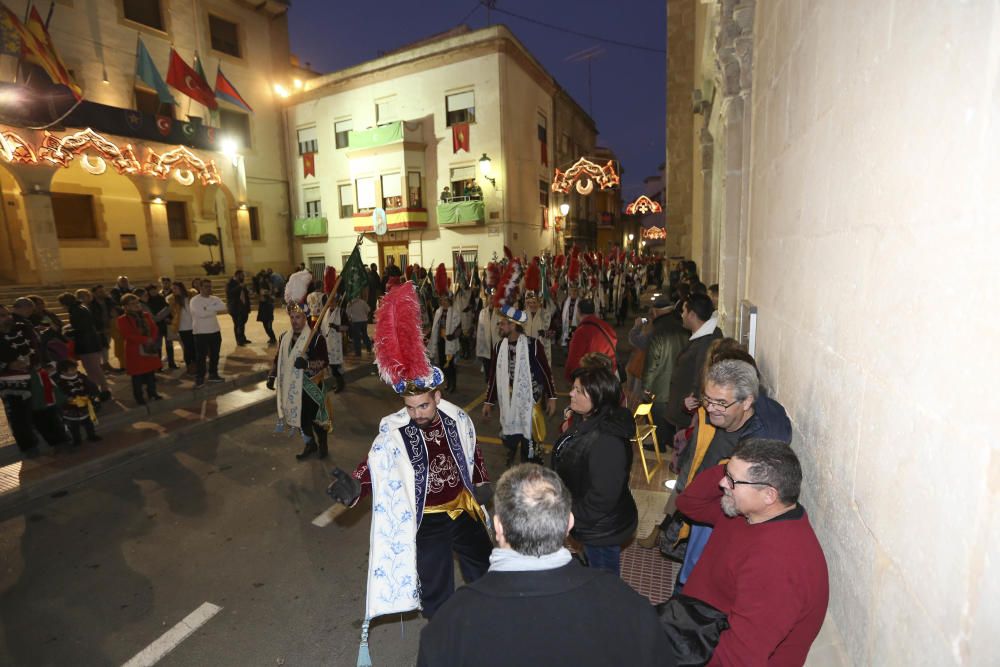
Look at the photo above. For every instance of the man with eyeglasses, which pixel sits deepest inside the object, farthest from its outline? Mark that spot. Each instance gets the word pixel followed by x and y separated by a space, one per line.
pixel 763 568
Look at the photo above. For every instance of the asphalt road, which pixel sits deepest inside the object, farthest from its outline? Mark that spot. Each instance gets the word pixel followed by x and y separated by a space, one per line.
pixel 96 575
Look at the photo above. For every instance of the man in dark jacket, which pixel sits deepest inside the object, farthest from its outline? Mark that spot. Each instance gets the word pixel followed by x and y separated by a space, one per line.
pixel 238 305
pixel 505 617
pixel 685 380
pixel 664 345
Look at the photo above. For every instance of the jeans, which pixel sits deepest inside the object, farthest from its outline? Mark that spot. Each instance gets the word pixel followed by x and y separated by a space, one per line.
pixel 269 330
pixel 187 343
pixel 207 348
pixel 359 334
pixel 239 326
pixel 604 558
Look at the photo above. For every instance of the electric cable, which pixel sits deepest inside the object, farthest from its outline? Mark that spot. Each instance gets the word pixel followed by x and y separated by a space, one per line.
pixel 606 40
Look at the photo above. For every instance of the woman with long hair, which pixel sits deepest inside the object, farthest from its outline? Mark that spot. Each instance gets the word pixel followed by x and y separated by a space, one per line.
pixel 181 326
pixel 594 459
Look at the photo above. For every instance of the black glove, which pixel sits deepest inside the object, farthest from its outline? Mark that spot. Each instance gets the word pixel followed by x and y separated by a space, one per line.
pixel 301 363
pixel 270 382
pixel 483 493
pixel 344 488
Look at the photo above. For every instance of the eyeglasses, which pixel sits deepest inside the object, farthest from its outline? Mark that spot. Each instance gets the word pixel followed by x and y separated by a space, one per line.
pixel 715 403
pixel 731 483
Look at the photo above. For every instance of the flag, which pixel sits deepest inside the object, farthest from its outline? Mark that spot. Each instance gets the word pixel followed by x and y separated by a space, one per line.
pixel 460 137
pixel 183 78
pixel 11 42
pixel 36 46
pixel 308 164
pixel 226 91
pixel 354 277
pixel 146 72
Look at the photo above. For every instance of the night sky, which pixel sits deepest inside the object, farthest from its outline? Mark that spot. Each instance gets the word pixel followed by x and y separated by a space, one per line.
pixel 629 98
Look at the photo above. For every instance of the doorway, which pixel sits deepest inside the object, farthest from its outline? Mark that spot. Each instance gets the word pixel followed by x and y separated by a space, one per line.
pixel 399 253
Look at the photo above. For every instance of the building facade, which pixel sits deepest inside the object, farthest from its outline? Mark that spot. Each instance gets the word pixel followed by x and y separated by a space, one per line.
pixel 407 134
pixel 124 183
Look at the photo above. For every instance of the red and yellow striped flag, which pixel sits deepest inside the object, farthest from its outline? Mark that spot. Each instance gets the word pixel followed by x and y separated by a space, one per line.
pixel 37 47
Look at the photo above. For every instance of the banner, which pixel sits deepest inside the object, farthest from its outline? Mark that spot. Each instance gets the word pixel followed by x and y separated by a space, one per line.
pixel 460 137
pixel 308 164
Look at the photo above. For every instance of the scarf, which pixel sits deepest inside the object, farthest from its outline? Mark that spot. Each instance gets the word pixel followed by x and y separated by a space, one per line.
pixel 508 560
pixel 398 464
pixel 289 381
pixel 486 333
pixel 517 402
pixel 330 330
pixel 452 321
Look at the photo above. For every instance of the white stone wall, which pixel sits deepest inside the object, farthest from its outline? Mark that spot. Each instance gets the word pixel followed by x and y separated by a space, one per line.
pixel 875 194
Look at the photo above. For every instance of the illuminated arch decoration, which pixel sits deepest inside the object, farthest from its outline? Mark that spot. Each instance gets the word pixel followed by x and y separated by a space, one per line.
pixel 61 151
pixel 16 150
pixel 182 164
pixel 642 206
pixel 584 175
pixel 654 233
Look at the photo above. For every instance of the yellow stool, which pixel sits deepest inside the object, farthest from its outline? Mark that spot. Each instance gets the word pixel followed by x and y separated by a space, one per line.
pixel 646 431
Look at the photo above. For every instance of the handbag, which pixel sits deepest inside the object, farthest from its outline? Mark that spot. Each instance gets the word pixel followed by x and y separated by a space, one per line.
pixel 669 542
pixel 692 627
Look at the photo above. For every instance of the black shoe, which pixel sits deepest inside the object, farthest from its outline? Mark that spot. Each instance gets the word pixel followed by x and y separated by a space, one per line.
pixel 156 397
pixel 104 396
pixel 215 379
pixel 199 384
pixel 96 438
pixel 309 449
pixel 323 452
pixel 339 379
pixel 140 401
pixel 173 366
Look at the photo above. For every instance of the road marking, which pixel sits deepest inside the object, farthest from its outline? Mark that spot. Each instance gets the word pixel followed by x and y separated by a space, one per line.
pixel 472 406
pixel 170 639
pixel 327 517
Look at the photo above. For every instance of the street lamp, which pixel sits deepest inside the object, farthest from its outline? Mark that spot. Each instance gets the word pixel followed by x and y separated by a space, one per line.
pixel 631 237
pixel 486 166
pixel 564 209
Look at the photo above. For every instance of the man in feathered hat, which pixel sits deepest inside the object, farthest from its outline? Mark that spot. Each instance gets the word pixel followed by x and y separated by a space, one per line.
pixel 422 471
pixel 520 379
pixel 570 314
pixel 446 329
pixel 297 375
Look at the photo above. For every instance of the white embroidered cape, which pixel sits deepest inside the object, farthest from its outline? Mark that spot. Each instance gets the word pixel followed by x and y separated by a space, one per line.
pixel 517 402
pixel 289 380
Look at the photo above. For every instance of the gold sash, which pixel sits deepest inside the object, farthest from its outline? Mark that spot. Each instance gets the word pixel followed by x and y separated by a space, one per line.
pixel 463 502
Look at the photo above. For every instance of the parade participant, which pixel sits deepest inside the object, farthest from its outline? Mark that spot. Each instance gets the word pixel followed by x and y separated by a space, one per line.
pixel 297 374
pixel 446 329
pixel 570 314
pixel 80 394
pixel 423 471
pixel 15 383
pixel 332 330
pixel 519 379
pixel 487 334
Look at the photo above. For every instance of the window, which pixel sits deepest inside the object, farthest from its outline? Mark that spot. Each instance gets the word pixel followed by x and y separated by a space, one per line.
pixel 543 202
pixel 346 200
pixel 147 101
pixel 460 108
pixel 341 131
pixel 225 36
pixel 366 193
pixel 543 130
pixel 392 191
pixel 236 125
pixel 307 140
pixel 313 202
pixel 463 182
pixel 469 255
pixel 414 193
pixel 177 221
pixel 254 214
pixel 74 216
pixel 146 12
pixel 385 111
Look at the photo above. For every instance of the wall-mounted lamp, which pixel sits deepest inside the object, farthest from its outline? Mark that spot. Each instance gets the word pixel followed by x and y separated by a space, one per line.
pixel 486 167
pixel 243 206
pixel 564 209
pixel 281 91
pixel 631 237
pixel 229 149
pixel 157 200
pixel 298 84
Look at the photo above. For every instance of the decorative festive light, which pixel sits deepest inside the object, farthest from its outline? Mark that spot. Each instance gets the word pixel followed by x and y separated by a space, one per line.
pixel 642 206
pixel 184 176
pixel 93 165
pixel 654 233
pixel 16 150
pixel 584 174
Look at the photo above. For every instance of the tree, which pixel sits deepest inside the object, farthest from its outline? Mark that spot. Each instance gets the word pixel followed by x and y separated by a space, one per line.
pixel 209 240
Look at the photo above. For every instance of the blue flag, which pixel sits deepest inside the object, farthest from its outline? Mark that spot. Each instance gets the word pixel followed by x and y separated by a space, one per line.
pixel 146 71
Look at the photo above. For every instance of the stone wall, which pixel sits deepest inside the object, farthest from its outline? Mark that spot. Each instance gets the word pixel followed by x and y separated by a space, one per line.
pixel 874 200
pixel 680 154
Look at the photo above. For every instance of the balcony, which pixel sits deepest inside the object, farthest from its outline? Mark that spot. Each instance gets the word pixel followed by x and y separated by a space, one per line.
pixel 461 213
pixel 398 219
pixel 384 135
pixel 309 226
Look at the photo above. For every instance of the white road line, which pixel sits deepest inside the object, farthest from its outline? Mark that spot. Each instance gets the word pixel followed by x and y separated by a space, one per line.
pixel 327 517
pixel 170 639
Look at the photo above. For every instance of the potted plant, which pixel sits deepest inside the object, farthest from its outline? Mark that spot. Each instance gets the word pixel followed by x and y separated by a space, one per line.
pixel 211 267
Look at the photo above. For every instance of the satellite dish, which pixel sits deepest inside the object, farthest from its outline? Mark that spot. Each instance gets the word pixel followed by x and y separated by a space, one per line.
pixel 379 221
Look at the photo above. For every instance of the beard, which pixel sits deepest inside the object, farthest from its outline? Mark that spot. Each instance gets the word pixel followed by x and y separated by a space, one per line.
pixel 729 505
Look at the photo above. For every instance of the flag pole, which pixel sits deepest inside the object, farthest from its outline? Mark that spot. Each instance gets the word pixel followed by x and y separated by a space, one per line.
pixel 329 298
pixel 135 70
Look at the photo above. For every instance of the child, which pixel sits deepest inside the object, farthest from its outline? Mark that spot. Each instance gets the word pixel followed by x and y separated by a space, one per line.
pixel 265 314
pixel 80 394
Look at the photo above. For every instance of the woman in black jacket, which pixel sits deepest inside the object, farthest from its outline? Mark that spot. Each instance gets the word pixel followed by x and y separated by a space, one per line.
pixel 594 459
pixel 86 340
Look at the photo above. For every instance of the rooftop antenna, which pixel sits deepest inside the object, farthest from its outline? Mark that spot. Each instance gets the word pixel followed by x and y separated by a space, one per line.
pixel 587 55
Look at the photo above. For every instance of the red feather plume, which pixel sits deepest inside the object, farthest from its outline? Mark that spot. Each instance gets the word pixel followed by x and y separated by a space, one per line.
pixel 533 276
pixel 492 274
pixel 441 280
pixel 399 342
pixel 507 253
pixel 329 279
pixel 573 273
pixel 559 263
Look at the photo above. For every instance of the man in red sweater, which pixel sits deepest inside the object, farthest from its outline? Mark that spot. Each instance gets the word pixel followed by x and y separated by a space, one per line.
pixel 592 335
pixel 763 566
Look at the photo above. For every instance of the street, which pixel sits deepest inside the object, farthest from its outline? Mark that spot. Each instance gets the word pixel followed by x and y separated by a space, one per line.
pixel 96 575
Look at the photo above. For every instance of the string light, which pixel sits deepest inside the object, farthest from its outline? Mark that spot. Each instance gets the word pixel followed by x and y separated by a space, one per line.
pixel 642 206
pixel 584 174
pixel 654 233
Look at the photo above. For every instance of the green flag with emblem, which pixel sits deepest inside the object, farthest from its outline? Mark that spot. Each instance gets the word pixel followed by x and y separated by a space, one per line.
pixel 354 277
